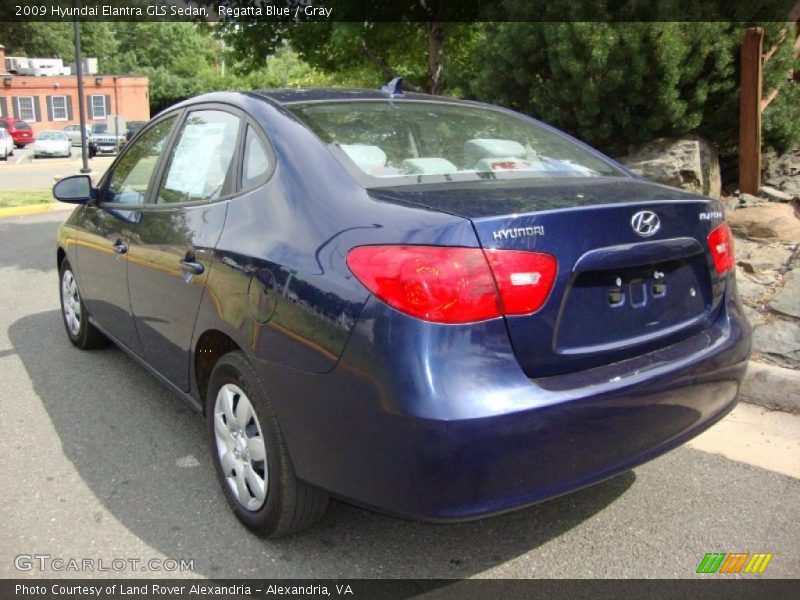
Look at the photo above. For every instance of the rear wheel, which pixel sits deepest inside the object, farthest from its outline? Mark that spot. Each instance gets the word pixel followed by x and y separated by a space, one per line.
pixel 76 319
pixel 250 455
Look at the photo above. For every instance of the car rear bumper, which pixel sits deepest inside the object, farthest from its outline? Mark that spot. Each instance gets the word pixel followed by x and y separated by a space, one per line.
pixel 456 432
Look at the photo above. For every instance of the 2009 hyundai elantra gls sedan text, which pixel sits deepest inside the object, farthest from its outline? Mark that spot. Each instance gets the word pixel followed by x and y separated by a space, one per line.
pixel 435 308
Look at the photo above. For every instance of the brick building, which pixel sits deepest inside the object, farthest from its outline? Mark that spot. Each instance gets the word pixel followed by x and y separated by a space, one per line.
pixel 51 102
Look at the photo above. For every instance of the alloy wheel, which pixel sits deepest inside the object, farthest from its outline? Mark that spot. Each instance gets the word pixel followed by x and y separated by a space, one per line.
pixel 71 303
pixel 240 447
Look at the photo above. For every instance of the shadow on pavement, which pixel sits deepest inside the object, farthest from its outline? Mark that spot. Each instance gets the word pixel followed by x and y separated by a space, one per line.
pixel 31 243
pixel 143 454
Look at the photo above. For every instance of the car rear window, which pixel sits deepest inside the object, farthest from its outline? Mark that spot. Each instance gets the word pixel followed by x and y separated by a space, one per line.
pixel 21 125
pixel 408 142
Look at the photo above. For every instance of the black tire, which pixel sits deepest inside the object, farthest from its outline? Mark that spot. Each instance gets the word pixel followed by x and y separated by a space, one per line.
pixel 86 336
pixel 290 504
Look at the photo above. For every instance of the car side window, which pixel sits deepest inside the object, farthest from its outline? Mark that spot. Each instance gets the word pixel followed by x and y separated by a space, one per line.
pixel 200 165
pixel 256 160
pixel 132 175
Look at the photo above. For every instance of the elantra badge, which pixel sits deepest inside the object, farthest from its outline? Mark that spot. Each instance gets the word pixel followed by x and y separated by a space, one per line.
pixel 645 223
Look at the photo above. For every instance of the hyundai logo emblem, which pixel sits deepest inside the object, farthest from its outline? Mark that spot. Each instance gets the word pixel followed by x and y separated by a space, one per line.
pixel 645 223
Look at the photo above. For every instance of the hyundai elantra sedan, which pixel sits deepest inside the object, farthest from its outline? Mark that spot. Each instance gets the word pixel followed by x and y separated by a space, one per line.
pixel 435 308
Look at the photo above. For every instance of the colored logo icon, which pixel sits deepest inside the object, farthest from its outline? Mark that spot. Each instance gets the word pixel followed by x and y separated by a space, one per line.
pixel 734 562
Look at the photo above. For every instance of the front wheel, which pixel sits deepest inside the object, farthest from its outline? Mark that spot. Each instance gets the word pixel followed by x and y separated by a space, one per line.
pixel 250 455
pixel 79 330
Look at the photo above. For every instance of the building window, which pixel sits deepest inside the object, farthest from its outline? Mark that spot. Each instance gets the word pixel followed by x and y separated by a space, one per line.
pixel 25 107
pixel 98 106
pixel 59 105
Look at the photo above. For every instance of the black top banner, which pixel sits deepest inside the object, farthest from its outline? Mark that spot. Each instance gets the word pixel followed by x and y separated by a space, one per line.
pixel 299 11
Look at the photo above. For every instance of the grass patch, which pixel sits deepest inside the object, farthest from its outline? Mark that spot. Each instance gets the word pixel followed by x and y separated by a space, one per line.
pixel 25 198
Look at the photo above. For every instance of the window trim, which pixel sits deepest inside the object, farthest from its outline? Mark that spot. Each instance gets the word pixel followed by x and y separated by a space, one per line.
pixel 91 107
pixel 182 113
pixel 19 109
pixel 273 159
pixel 235 159
pixel 53 107
pixel 105 181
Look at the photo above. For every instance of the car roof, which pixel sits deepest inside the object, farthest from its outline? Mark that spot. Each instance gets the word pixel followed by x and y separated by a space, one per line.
pixel 302 95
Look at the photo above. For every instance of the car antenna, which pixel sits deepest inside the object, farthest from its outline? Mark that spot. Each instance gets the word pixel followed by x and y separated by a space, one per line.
pixel 394 88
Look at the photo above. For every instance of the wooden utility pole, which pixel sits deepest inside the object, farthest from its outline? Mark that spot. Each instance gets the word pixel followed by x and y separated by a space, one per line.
pixel 750 112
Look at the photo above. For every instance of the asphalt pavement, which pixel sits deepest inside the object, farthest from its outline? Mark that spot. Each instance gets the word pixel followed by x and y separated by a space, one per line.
pixel 101 462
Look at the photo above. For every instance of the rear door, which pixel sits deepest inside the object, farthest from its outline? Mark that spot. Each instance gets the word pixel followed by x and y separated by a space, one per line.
pixel 171 246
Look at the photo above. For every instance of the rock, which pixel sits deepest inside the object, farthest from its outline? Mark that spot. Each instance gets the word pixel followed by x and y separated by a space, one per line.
pixel 690 163
pixel 741 201
pixel 770 221
pixel 778 342
pixel 777 170
pixel 787 300
pixel 752 315
pixel 747 200
pixel 792 186
pixel 775 195
pixel 755 290
pixel 742 248
pixel 770 257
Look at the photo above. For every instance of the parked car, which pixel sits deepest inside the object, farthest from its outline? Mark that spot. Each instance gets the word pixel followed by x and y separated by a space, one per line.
pixel 436 308
pixel 102 141
pixel 52 143
pixel 133 128
pixel 20 131
pixel 6 144
pixel 74 133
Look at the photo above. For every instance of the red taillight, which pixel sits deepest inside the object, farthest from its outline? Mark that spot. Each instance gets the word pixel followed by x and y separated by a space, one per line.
pixel 720 242
pixel 523 278
pixel 454 285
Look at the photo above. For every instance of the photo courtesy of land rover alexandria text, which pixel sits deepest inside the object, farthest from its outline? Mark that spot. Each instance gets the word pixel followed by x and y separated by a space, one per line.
pixel 434 308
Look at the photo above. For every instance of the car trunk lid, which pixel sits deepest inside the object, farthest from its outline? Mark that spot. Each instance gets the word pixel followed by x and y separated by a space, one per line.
pixel 618 292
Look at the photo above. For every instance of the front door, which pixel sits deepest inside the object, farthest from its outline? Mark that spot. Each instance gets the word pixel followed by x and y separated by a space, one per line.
pixel 104 232
pixel 172 245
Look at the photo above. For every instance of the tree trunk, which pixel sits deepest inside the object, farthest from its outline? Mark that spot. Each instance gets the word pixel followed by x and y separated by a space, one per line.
pixel 436 33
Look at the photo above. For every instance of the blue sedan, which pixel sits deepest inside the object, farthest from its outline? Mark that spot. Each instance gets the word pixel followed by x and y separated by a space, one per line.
pixel 435 308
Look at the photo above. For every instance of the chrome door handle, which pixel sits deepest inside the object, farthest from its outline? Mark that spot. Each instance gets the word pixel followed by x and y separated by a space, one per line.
pixel 192 266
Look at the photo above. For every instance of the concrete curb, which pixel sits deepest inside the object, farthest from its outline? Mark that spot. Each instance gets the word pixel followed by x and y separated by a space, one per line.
pixel 33 209
pixel 772 386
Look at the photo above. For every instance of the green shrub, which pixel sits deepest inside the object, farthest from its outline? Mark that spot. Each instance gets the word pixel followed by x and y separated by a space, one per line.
pixel 621 84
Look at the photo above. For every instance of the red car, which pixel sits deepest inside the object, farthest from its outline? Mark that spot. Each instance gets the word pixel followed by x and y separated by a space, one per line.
pixel 20 131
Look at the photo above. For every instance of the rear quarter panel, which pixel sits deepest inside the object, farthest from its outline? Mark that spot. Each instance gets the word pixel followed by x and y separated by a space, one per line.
pixel 279 284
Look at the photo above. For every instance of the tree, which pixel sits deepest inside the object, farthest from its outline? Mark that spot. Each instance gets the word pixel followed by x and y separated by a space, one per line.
pixel 617 84
pixel 55 40
pixel 410 40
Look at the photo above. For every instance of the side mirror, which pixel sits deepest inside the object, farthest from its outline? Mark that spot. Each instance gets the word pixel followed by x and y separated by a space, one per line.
pixel 76 189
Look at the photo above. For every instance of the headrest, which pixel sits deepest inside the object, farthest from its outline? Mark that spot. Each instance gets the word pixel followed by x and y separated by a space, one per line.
pixel 493 148
pixel 365 156
pixel 427 166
